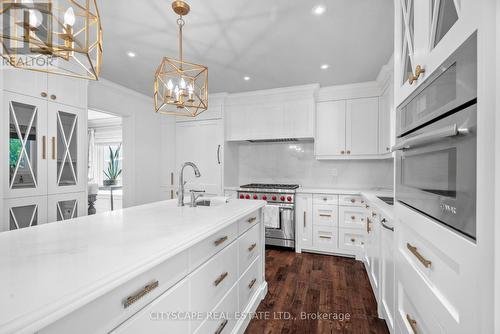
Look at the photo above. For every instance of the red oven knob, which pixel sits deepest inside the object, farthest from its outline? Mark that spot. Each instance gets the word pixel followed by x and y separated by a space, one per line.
pixel 274 198
pixel 282 198
pixel 247 196
pixel 289 198
pixel 264 197
pixel 242 196
pixel 255 196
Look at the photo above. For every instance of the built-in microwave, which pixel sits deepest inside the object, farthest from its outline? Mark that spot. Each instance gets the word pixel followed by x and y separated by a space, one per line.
pixel 436 143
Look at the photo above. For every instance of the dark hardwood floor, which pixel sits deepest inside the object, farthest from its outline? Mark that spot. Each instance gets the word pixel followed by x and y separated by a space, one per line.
pixel 305 284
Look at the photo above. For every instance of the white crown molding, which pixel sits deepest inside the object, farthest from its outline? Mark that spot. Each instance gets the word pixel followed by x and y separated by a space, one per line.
pixel 275 94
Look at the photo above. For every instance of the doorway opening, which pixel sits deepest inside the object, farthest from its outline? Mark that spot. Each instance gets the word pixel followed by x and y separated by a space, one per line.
pixel 105 162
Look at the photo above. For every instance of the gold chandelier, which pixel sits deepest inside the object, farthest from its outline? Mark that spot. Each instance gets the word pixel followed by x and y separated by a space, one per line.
pixel 55 36
pixel 180 88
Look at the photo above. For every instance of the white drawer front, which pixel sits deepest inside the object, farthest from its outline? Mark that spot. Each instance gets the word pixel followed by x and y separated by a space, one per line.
pixel 325 238
pixel 352 240
pixel 108 311
pixel 351 200
pixel 352 217
pixel 248 248
pixel 249 221
pixel 326 215
pixel 205 249
pixel 227 307
pixel 211 281
pixel 158 317
pixel 325 199
pixel 248 284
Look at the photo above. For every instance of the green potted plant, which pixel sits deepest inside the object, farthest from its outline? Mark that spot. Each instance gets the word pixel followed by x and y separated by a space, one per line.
pixel 113 170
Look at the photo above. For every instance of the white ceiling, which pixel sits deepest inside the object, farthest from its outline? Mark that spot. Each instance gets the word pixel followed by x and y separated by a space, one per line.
pixel 276 42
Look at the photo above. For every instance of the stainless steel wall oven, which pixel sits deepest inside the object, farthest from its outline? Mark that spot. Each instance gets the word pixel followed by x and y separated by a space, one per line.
pixel 436 143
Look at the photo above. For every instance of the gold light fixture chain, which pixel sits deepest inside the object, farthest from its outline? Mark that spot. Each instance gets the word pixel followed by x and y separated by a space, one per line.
pixel 180 22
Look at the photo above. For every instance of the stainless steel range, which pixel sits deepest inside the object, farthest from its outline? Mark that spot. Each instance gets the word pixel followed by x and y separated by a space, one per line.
pixel 283 196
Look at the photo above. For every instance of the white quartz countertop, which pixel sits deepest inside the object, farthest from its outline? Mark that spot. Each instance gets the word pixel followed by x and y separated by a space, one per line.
pixel 53 269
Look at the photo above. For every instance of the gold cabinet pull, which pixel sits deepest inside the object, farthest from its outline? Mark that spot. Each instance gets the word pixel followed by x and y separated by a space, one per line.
pixel 342 152
pixel 43 94
pixel 325 215
pixel 324 237
pixel 252 247
pixel 413 324
pixel 353 217
pixel 348 152
pixel 44 147
pixel 251 220
pixel 305 216
pixel 220 278
pixel 252 283
pixel 366 206
pixel 353 240
pixel 374 214
pixel 418 71
pixel 419 256
pixel 221 327
pixel 144 291
pixel 353 200
pixel 53 148
pixel 368 222
pixel 220 240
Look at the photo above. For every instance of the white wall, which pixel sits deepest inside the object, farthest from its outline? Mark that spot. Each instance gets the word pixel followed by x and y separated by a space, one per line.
pixel 282 163
pixel 141 138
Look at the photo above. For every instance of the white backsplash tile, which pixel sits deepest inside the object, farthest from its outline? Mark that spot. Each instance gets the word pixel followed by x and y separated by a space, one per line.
pixel 295 163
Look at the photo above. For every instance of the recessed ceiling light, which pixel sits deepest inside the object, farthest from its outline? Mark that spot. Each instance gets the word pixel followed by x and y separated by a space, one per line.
pixel 246 78
pixel 324 66
pixel 131 54
pixel 319 10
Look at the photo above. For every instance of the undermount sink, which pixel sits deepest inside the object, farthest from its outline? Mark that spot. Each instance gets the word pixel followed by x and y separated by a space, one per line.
pixel 209 202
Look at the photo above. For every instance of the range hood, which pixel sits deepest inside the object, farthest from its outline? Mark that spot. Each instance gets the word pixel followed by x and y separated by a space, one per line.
pixel 279 140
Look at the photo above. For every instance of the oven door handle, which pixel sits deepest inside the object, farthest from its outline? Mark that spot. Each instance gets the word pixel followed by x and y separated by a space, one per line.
pixel 430 137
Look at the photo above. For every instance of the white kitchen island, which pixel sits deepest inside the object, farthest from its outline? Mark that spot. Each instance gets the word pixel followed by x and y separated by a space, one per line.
pixel 134 270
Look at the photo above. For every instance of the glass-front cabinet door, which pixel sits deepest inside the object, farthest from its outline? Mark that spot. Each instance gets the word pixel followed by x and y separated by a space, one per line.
pixel 67 161
pixel 24 146
pixel 23 212
pixel 66 206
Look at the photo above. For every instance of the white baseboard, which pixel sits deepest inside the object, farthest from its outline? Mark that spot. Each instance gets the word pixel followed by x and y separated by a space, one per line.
pixel 242 324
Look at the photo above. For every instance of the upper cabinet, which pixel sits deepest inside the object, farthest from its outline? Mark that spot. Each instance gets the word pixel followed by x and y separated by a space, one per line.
pixel 272 114
pixel 427 32
pixel 362 126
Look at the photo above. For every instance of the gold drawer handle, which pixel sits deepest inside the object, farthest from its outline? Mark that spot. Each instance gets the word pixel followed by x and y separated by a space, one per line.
pixel 44 147
pixel 251 220
pixel 368 222
pixel 252 283
pixel 221 327
pixel 324 237
pixel 53 148
pixel 366 206
pixel 220 278
pixel 220 240
pixel 252 247
pixel 419 256
pixel 413 323
pixel 144 291
pixel 327 216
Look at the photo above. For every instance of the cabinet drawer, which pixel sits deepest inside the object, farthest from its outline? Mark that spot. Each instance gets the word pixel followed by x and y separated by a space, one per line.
pixel 249 221
pixel 325 199
pixel 154 316
pixel 248 248
pixel 326 215
pixel 351 200
pixel 205 249
pixel 325 238
pixel 210 282
pixel 223 317
pixel 352 217
pixel 108 311
pixel 249 284
pixel 352 240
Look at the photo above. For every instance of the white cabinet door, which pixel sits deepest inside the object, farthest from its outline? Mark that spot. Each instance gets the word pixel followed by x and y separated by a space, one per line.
pixel 159 316
pixel 384 121
pixel 330 137
pixel 201 142
pixel 362 126
pixel 67 160
pixel 387 270
pixel 374 255
pixel 298 119
pixel 24 212
pixel 67 90
pixel 24 145
pixel 66 206
pixel 304 220
pixel 25 82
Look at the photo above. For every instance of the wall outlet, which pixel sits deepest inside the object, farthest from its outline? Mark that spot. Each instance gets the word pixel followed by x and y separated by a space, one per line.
pixel 334 172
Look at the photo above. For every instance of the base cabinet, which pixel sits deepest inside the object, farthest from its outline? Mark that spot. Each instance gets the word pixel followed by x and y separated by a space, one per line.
pixel 66 206
pixel 24 212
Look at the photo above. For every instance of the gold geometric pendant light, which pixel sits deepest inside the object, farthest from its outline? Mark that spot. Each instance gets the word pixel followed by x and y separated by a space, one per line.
pixel 54 36
pixel 180 87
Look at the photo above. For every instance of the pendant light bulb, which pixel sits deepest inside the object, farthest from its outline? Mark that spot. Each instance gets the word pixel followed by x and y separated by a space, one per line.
pixel 190 89
pixel 33 19
pixel 170 85
pixel 183 83
pixel 69 17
